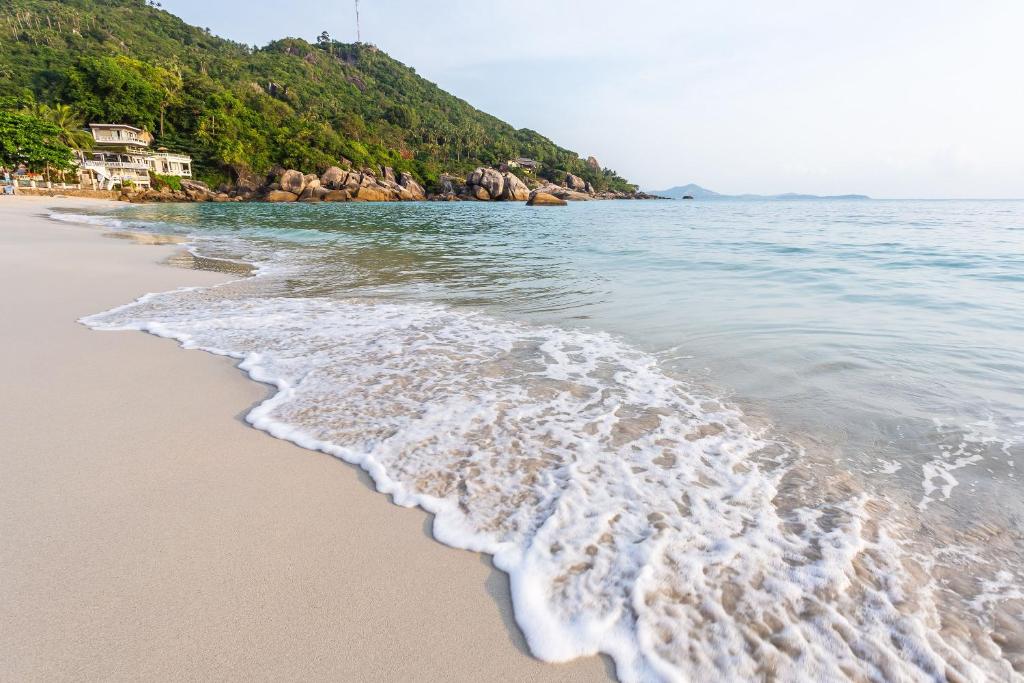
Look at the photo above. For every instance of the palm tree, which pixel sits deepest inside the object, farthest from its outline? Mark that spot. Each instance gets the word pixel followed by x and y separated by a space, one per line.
pixel 72 126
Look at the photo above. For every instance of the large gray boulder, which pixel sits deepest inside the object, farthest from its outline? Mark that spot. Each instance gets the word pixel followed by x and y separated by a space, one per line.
pixel 515 189
pixel 575 183
pixel 489 180
pixel 292 181
pixel 414 189
pixel 334 178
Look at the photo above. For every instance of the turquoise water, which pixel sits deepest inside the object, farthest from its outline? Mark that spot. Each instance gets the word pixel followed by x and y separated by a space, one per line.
pixel 878 344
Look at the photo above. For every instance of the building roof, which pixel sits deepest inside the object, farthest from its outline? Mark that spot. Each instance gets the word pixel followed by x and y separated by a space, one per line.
pixel 124 126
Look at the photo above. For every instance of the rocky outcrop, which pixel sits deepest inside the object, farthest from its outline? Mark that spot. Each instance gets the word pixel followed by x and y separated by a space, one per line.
pixel 280 196
pixel 515 189
pixel 291 181
pixel 337 196
pixel 373 193
pixel 593 163
pixel 488 184
pixel 415 190
pixel 538 198
pixel 489 180
pixel 575 183
pixel 334 178
pixel 565 193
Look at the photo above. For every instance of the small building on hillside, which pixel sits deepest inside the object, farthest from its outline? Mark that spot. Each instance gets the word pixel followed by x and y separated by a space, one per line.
pixel 528 165
pixel 170 163
pixel 120 156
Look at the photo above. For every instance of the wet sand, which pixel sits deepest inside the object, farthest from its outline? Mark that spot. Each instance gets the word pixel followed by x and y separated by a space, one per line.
pixel 146 532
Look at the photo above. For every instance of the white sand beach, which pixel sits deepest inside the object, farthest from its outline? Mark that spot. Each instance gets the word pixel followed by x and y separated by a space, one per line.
pixel 148 533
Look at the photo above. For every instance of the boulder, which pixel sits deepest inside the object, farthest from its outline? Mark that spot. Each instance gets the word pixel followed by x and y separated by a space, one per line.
pixel 515 189
pixel 281 196
pixel 538 198
pixel 373 193
pixel 480 193
pixel 292 181
pixel 245 180
pixel 589 189
pixel 387 173
pixel 493 182
pixel 188 185
pixel 220 197
pixel 593 163
pixel 334 178
pixel 320 192
pixel 414 189
pixel 487 179
pixel 336 196
pixel 575 183
pixel 312 181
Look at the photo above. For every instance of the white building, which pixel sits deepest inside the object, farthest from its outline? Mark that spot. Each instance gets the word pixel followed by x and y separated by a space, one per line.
pixel 171 163
pixel 120 156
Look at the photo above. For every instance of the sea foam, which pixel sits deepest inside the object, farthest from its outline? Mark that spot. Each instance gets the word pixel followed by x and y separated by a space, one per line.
pixel 635 516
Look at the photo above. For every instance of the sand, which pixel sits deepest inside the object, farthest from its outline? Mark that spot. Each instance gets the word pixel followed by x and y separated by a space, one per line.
pixel 146 532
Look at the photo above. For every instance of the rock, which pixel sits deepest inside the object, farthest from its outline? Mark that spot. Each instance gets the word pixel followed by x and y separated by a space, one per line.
pixel 480 193
pixel 281 196
pixel 414 189
pixel 515 189
pixel 487 179
pixel 336 196
pixel 538 198
pixel 245 179
pixel 312 181
pixel 373 193
pixel 575 183
pixel 388 173
pixel 493 182
pixel 593 163
pixel 221 197
pixel 292 181
pixel 589 189
pixel 334 178
pixel 320 192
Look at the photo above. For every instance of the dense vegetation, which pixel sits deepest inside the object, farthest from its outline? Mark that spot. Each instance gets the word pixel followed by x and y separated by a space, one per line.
pixel 237 108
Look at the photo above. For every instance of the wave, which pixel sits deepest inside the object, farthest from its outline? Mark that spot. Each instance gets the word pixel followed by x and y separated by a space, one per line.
pixel 635 514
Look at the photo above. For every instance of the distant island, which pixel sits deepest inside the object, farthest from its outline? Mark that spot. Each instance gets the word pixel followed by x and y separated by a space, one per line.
pixel 693 191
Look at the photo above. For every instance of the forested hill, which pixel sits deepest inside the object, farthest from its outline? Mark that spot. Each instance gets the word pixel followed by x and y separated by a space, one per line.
pixel 237 107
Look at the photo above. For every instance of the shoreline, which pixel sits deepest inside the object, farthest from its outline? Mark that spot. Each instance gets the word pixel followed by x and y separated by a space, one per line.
pixel 150 532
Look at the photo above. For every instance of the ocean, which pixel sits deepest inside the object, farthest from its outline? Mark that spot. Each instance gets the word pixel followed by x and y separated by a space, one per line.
pixel 713 439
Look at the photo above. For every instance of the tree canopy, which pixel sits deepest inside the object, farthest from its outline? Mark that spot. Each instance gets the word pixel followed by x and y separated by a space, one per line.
pixel 26 139
pixel 235 107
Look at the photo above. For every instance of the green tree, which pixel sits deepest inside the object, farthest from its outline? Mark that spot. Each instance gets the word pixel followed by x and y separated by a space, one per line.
pixel 26 139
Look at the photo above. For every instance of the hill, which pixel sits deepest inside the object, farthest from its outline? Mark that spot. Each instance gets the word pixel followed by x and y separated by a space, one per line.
pixel 240 109
pixel 698 192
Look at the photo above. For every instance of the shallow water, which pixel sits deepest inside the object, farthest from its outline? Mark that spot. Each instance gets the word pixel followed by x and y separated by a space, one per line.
pixel 712 439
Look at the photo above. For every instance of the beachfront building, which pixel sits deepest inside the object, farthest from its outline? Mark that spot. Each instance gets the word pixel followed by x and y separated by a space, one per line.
pixel 170 163
pixel 120 157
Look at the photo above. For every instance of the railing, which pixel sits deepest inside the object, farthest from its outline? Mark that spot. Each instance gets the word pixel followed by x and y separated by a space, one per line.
pixel 117 164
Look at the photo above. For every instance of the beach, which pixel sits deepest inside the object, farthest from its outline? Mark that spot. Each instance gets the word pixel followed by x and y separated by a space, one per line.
pixel 147 532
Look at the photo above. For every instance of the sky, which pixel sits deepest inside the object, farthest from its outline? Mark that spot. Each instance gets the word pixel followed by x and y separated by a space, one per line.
pixel 890 99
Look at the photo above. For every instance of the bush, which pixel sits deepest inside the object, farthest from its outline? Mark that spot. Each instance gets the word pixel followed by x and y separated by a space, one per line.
pixel 161 181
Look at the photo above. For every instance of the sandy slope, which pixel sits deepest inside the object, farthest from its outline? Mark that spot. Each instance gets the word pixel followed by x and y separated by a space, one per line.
pixel 147 532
